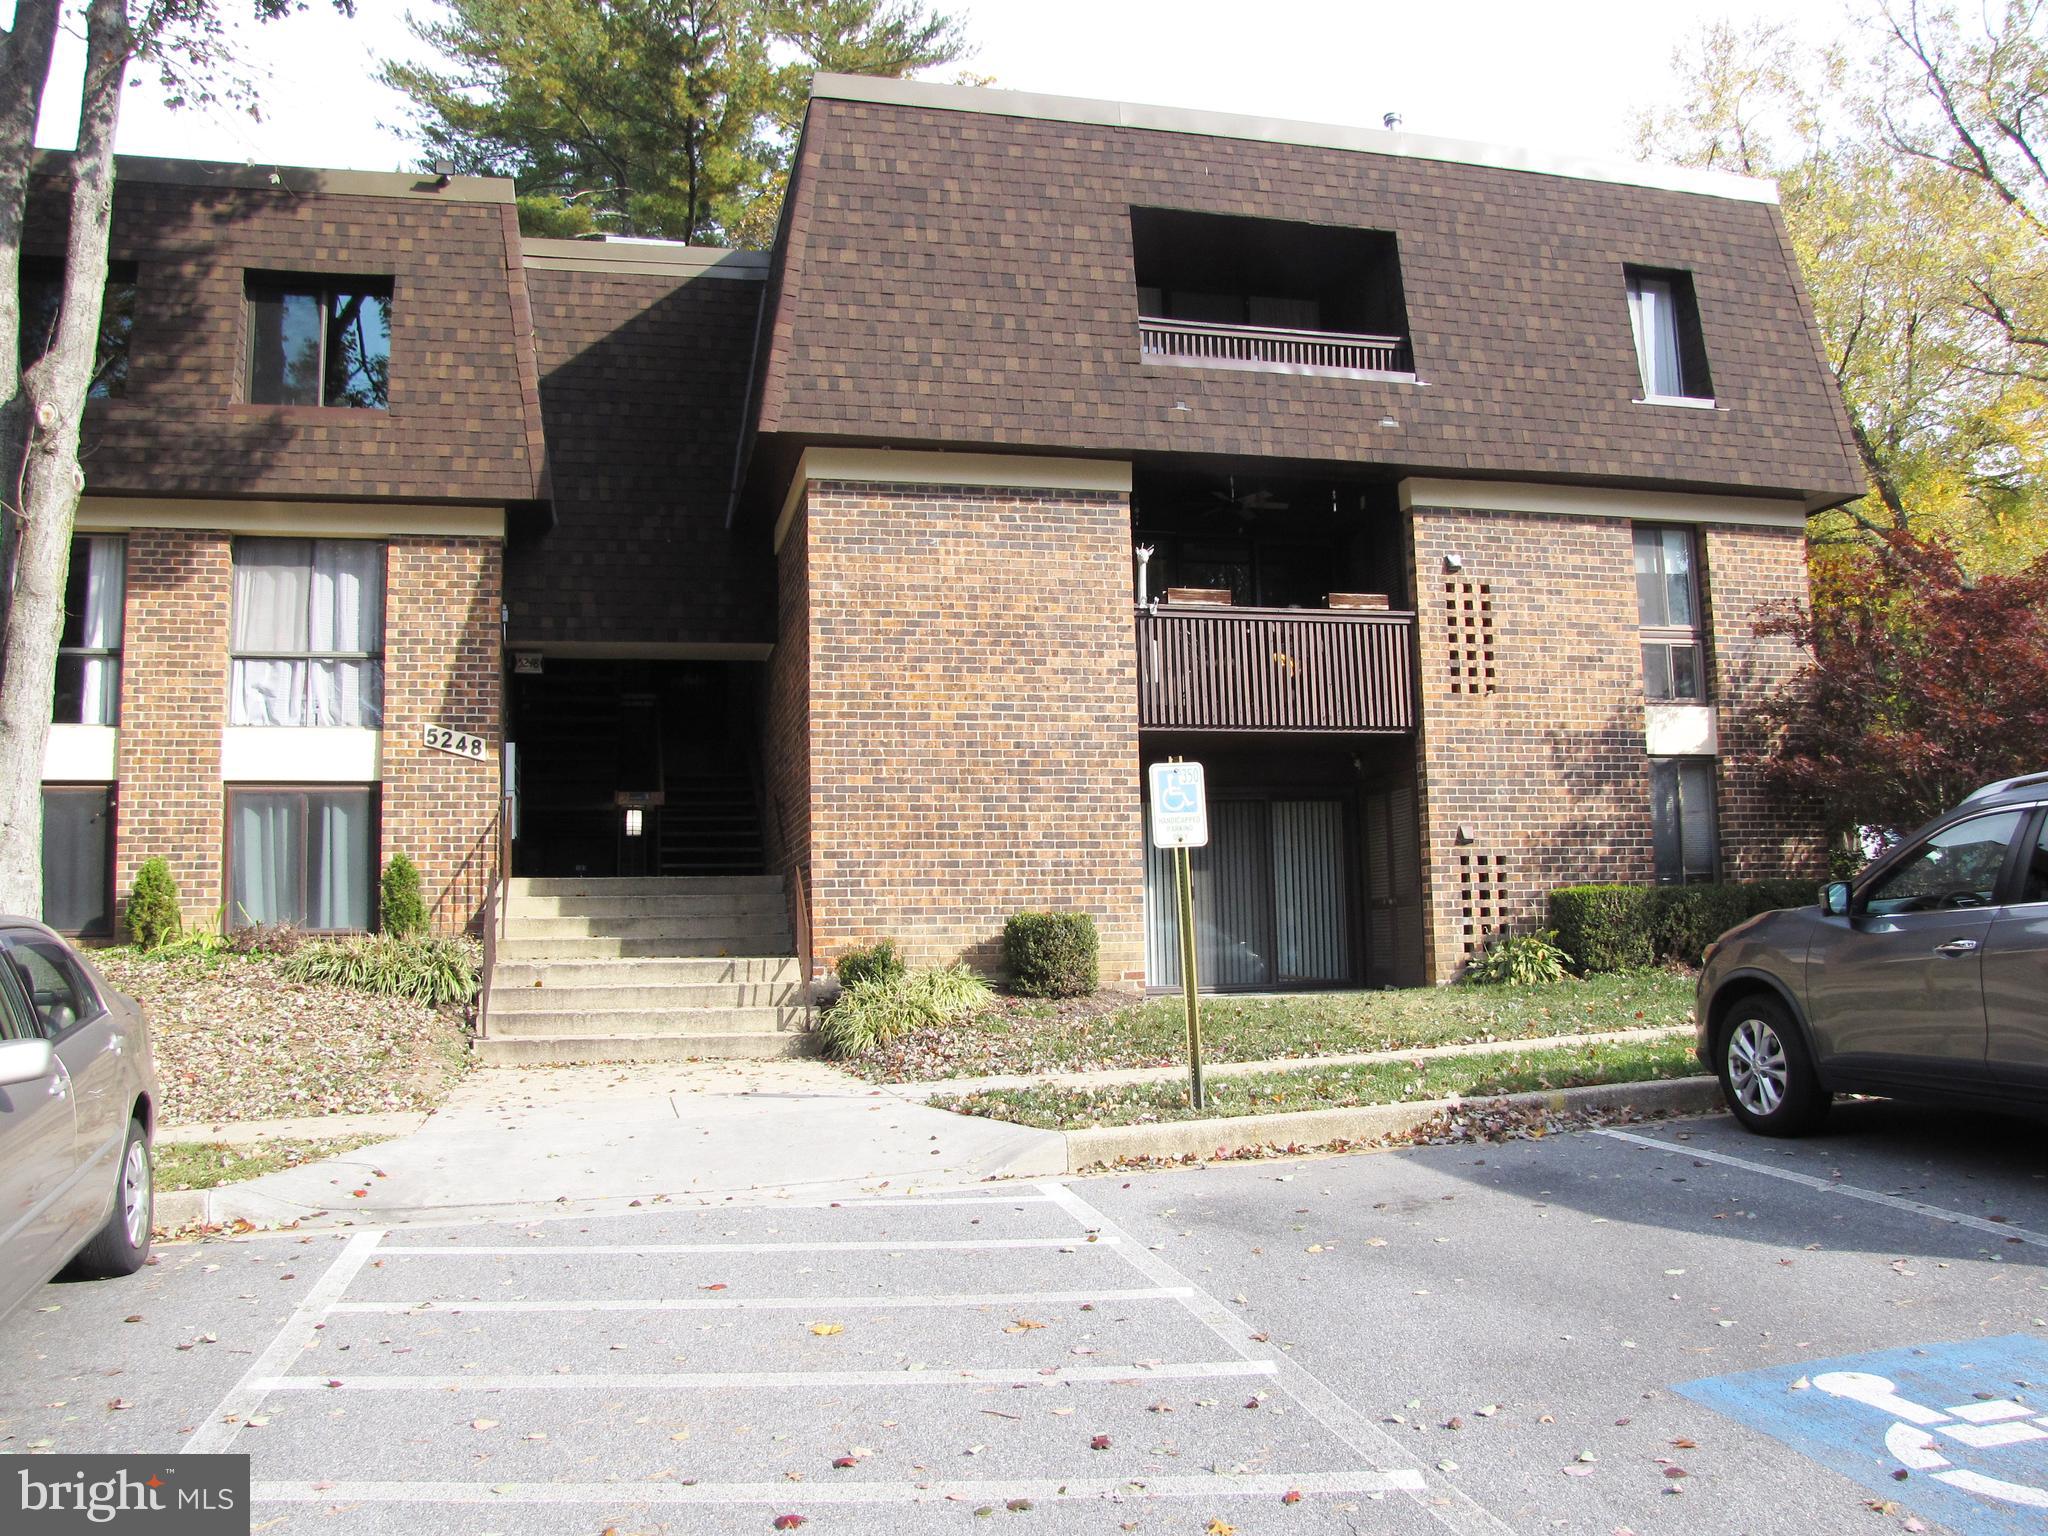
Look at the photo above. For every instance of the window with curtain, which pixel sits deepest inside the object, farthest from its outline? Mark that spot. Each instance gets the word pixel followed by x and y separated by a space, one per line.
pixel 1682 833
pixel 1668 608
pixel 319 341
pixel 1669 348
pixel 305 857
pixel 78 822
pixel 308 639
pixel 42 298
pixel 89 647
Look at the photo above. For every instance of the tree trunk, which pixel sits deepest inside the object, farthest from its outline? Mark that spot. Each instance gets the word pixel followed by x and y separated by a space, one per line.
pixel 53 391
pixel 25 51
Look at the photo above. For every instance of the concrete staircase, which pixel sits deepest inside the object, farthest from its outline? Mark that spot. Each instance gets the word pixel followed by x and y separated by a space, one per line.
pixel 661 968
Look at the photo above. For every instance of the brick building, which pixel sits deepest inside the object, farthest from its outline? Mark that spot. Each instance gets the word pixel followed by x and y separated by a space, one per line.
pixel 1425 491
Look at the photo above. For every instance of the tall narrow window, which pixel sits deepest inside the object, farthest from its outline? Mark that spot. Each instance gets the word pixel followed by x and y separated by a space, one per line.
pixel 308 633
pixel 300 856
pixel 89 647
pixel 1682 819
pixel 318 342
pixel 42 297
pixel 1670 350
pixel 78 821
pixel 1668 606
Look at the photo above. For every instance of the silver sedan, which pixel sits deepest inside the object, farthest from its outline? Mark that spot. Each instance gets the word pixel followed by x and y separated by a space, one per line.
pixel 78 1097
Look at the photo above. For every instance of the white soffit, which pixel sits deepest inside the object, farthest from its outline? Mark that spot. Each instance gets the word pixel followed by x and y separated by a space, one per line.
pixel 1592 501
pixel 286 754
pixel 300 519
pixel 80 754
pixel 899 466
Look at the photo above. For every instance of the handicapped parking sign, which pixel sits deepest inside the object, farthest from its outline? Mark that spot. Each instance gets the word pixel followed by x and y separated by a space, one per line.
pixel 1180 806
pixel 1955 1431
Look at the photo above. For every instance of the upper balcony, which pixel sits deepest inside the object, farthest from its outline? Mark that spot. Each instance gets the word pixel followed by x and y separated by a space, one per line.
pixel 1272 349
pixel 1263 670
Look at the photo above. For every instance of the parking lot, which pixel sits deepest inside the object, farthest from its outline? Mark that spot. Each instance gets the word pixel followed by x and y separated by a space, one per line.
pixel 1670 1327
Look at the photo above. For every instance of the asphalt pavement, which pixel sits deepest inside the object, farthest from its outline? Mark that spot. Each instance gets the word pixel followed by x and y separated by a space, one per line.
pixel 1674 1327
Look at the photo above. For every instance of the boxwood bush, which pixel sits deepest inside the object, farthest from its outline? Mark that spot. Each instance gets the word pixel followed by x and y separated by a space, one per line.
pixel 153 917
pixel 880 961
pixel 1626 927
pixel 1052 954
pixel 1603 927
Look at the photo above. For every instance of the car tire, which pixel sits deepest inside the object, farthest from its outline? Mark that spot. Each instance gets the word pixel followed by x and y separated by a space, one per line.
pixel 1767 1073
pixel 121 1247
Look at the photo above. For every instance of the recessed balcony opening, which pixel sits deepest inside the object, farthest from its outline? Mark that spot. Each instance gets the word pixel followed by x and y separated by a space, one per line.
pixel 1226 291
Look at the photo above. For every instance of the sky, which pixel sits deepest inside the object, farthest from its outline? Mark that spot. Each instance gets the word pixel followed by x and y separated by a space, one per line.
pixel 1551 74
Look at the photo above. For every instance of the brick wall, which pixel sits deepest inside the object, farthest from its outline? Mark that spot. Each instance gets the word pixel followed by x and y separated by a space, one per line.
pixel 1746 568
pixel 1541 763
pixel 441 667
pixel 973 716
pixel 174 691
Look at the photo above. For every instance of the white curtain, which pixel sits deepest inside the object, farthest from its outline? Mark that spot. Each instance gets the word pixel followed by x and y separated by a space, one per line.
pixel 1654 318
pixel 263 886
pixel 104 591
pixel 337 862
pixel 308 596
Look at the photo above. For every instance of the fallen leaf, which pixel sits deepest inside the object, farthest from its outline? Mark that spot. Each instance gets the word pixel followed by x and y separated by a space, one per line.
pixel 788 1522
pixel 119 1403
pixel 483 1423
pixel 1099 1443
pixel 846 1461
pixel 1023 1325
pixel 1291 1496
pixel 825 1331
pixel 1220 1528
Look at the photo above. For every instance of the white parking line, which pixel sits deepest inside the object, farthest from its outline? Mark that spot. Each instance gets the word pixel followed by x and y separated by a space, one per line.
pixel 1445 1502
pixel 1835 1187
pixel 754 1380
pixel 918 1245
pixel 763 1303
pixel 1043 1490
pixel 244 1396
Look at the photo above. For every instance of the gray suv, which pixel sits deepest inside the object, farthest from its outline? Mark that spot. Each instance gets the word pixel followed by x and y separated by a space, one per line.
pixel 1925 977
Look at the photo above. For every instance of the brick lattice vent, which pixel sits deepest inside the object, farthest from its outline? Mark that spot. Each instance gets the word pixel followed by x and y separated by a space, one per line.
pixel 1468 635
pixel 1482 898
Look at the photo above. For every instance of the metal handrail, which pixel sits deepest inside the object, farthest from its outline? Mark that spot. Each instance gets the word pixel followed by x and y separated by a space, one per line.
pixel 799 903
pixel 1221 668
pixel 497 899
pixel 1270 346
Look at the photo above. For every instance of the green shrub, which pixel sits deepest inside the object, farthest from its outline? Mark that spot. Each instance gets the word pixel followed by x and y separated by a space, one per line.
pixel 1603 927
pixel 880 961
pixel 1052 954
pixel 401 908
pixel 265 939
pixel 875 1010
pixel 1685 919
pixel 153 919
pixel 1519 960
pixel 425 969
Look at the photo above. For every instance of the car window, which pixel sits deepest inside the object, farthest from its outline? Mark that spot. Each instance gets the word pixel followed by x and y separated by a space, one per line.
pixel 56 988
pixel 1957 867
pixel 2035 886
pixel 17 1022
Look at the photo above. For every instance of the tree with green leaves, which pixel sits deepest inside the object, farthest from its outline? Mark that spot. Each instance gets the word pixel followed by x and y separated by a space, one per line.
pixel 666 118
pixel 189 45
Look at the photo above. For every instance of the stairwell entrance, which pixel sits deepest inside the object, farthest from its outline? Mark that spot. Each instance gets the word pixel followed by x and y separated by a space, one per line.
pixel 630 768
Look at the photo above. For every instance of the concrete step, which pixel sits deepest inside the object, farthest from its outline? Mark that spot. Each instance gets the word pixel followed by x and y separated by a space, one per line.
pixel 647 885
pixel 546 998
pixel 764 904
pixel 646 1021
pixel 559 1050
pixel 639 947
pixel 524 975
pixel 714 927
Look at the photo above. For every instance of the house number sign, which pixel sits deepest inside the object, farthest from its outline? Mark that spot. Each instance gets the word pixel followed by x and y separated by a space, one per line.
pixel 459 743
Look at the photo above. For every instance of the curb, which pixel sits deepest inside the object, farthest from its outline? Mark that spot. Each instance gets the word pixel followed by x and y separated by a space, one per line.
pixel 238 1133
pixel 1303 1129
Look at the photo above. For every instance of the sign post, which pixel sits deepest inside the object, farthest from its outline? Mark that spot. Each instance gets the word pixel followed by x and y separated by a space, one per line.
pixel 1180 821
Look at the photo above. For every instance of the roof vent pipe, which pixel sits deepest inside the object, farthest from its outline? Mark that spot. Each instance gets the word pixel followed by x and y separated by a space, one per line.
pixel 1391 122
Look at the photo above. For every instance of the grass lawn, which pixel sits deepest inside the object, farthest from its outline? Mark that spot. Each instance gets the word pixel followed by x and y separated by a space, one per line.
pixel 1336 1087
pixel 1020 1035
pixel 205 1165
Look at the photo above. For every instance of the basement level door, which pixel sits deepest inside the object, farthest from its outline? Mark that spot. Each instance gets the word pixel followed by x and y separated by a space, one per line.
pixel 1270 899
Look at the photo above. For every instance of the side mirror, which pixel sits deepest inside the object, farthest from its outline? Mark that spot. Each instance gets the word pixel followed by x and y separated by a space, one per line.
pixel 1834 898
pixel 25 1061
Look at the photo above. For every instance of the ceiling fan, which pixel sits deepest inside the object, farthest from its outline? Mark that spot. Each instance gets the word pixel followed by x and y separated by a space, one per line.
pixel 1252 503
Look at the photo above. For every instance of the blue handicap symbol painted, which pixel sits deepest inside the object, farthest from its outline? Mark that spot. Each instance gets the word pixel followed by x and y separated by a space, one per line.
pixel 1967 1423
pixel 1178 794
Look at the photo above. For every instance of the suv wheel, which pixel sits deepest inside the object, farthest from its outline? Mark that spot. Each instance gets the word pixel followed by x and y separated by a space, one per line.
pixel 1766 1072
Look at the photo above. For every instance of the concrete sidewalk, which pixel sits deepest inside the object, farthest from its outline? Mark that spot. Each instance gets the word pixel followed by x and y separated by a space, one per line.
pixel 560 1139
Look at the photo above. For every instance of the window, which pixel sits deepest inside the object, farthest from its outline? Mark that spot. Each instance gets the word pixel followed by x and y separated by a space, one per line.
pixel 300 856
pixel 56 987
pixel 319 342
pixel 42 297
pixel 89 646
pixel 308 636
pixel 1682 819
pixel 1670 350
pixel 1957 868
pixel 2035 887
pixel 1668 607
pixel 77 858
pixel 17 1019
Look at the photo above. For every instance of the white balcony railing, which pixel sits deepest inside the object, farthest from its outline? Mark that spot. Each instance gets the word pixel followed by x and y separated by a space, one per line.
pixel 1212 344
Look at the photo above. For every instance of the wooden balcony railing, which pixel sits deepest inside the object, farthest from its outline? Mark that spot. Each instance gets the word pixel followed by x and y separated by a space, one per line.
pixel 1209 344
pixel 1275 669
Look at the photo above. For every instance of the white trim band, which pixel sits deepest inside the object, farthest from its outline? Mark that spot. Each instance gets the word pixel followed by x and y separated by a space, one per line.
pixel 300 754
pixel 1275 130
pixel 1680 730
pixel 291 519
pixel 1600 501
pixel 81 754
pixel 1002 471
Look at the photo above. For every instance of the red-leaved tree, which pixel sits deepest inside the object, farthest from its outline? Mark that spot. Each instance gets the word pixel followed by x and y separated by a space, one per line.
pixel 1925 682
